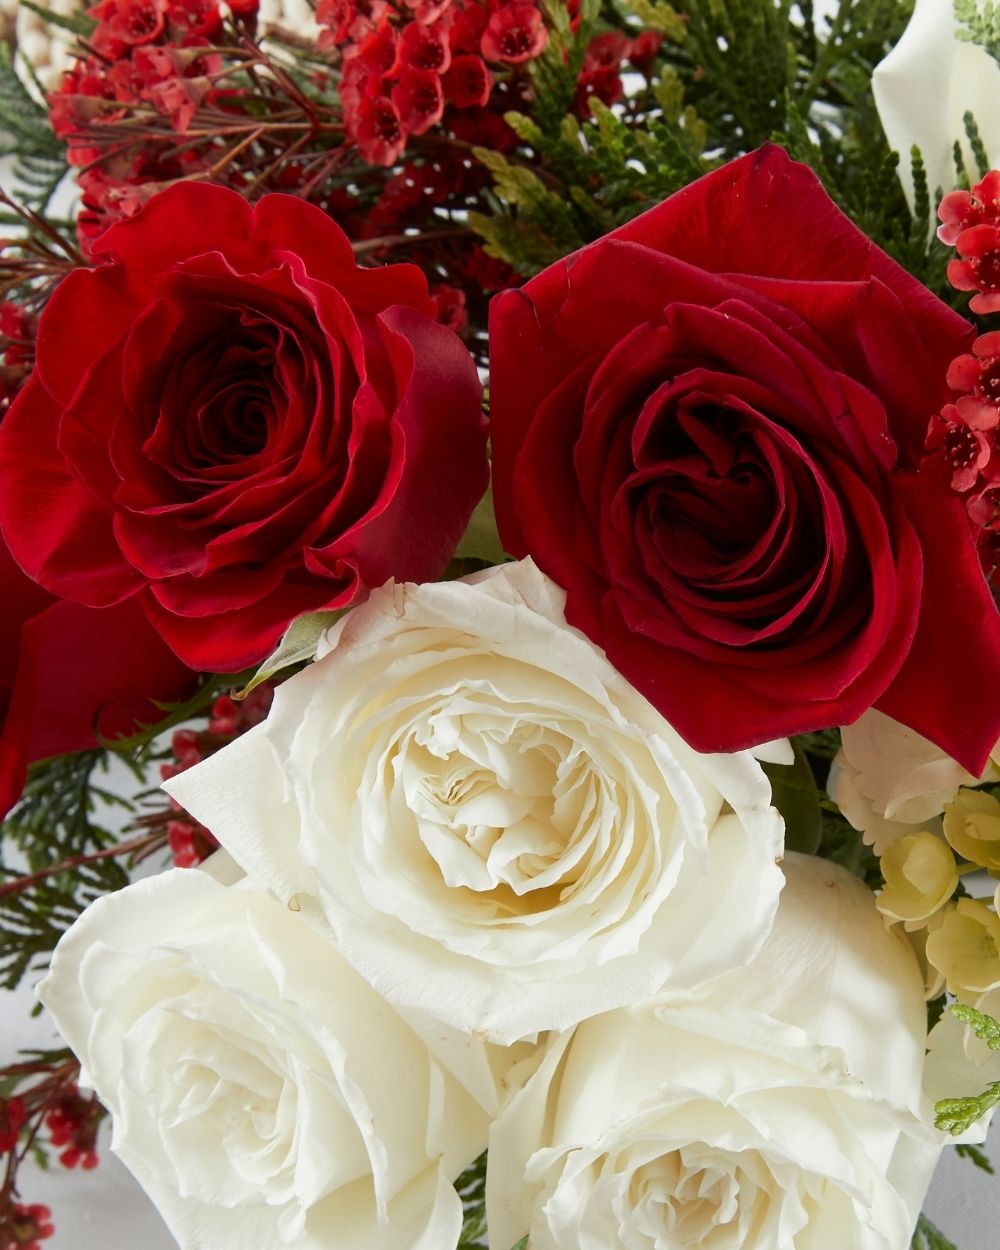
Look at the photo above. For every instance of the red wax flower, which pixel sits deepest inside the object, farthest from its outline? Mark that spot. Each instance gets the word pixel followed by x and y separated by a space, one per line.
pixel 230 423
pixel 706 427
pixel 978 375
pixel 73 1123
pixel 425 47
pixel 960 210
pixel 450 304
pixel 514 34
pixel 29 1225
pixel 124 23
pixel 978 267
pixel 378 129
pixel 467 83
pixel 419 99
pixel 964 449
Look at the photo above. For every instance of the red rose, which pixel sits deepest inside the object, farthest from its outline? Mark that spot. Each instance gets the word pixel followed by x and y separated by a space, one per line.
pixel 69 673
pixel 706 426
pixel 233 422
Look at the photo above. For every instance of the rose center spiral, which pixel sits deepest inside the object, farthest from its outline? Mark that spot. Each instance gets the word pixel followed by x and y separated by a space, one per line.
pixel 501 806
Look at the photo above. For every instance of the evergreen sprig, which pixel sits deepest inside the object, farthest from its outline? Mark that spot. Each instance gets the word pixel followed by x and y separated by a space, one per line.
pixel 51 826
pixel 965 1150
pixel 77 23
pixel 928 1236
pixel 955 1115
pixel 979 26
pixel 732 74
pixel 26 137
pixel 985 1027
pixel 471 1187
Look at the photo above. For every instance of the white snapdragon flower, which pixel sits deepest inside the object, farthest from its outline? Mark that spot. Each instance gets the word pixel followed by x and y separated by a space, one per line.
pixel 497 827
pixel 784 1109
pixel 261 1092
pixel 925 86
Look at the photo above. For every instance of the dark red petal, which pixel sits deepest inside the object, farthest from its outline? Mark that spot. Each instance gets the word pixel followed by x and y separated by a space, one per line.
pixel 68 344
pixel 81 670
pixel 285 223
pixel 946 689
pixel 184 220
pixel 56 530
pixel 235 640
pixel 438 467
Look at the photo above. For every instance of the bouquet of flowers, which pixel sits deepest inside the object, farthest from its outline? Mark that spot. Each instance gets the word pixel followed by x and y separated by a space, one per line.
pixel 525 476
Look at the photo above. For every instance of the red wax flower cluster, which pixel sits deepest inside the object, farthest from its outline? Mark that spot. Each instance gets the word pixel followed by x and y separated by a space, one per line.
pixel 153 52
pixel 73 1122
pixel 12 1117
pixel 26 1227
pixel 971 224
pixel 189 840
pixel 965 434
pixel 404 63
pixel 410 64
pixel 17 350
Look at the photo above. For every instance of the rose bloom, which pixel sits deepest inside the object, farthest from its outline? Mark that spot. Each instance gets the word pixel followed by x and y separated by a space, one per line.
pixel 889 781
pixel 705 427
pixel 497 827
pixel 261 1092
pixel 71 676
pixel 783 1108
pixel 231 421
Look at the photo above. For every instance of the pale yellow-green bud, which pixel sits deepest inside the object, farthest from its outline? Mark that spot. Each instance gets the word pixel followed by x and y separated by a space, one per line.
pixel 920 877
pixel 965 947
pixel 972 826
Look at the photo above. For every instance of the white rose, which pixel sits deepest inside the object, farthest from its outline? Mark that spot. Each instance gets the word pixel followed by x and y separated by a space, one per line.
pixel 888 781
pixel 781 1111
pixel 261 1092
pixel 925 86
pixel 497 827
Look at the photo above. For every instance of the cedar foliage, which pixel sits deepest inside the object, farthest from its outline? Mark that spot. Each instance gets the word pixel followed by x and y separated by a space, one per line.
pixel 732 74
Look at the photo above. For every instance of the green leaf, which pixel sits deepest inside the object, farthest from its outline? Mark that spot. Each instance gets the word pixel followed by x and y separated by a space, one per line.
pixel 481 540
pixel 795 794
pixel 297 645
